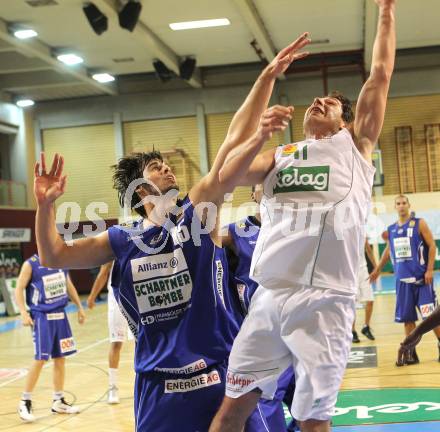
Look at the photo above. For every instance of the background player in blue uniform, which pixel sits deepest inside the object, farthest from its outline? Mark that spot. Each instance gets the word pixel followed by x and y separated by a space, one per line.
pixel 47 291
pixel 411 247
pixel 172 268
pixel 240 241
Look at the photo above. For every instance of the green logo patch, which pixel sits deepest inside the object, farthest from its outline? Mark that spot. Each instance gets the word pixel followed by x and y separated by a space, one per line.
pixel 302 179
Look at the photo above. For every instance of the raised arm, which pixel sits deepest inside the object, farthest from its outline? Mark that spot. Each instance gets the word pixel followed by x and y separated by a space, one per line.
pixel 427 236
pixel 246 121
pixel 99 284
pixel 371 104
pixel 22 282
pixel 52 250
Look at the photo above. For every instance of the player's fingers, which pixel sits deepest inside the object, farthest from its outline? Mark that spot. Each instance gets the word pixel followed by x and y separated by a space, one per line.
pixel 54 166
pixel 43 163
pixel 293 45
pixel 37 169
pixel 59 170
pixel 300 55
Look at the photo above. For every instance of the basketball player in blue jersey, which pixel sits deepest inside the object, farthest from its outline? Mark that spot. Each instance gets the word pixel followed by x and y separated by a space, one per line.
pixel 317 195
pixel 240 241
pixel 117 326
pixel 47 292
pixel 412 249
pixel 171 265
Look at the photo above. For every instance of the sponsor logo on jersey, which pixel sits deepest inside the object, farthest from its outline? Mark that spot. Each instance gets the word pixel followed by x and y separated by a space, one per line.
pixel 427 309
pixel 187 369
pixel 238 382
pixel 219 279
pixel 67 345
pixel 289 149
pixel 194 383
pixel 402 247
pixel 161 281
pixel 54 285
pixel 302 179
pixel 412 223
pixel 55 316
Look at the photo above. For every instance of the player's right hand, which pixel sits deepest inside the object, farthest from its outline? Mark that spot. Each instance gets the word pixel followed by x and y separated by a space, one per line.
pixel 90 302
pixel 407 346
pixel 274 119
pixel 374 275
pixel 49 186
pixel 26 319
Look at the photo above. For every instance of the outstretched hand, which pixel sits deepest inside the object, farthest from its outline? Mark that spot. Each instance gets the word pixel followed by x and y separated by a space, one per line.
pixel 274 119
pixel 407 347
pixel 288 55
pixel 385 3
pixel 49 186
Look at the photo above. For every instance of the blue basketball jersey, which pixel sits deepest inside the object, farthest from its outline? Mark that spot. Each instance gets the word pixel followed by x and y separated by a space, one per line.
pixel 47 289
pixel 245 234
pixel 172 291
pixel 409 252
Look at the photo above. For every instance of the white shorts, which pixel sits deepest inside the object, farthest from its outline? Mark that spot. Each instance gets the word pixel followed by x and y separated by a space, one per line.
pixel 365 291
pixel 117 324
pixel 304 326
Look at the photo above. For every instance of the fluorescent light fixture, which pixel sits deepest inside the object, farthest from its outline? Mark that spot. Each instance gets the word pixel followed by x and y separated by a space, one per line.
pixel 23 103
pixel 70 59
pixel 103 77
pixel 186 25
pixel 25 34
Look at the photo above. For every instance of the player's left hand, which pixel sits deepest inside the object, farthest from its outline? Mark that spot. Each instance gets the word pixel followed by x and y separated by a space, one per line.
pixel 81 316
pixel 406 347
pixel 429 277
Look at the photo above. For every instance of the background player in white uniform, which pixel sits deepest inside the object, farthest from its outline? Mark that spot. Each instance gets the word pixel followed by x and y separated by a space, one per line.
pixel 314 209
pixel 365 293
pixel 117 327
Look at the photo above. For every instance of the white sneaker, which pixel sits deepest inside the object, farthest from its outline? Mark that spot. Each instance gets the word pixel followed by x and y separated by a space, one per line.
pixel 25 411
pixel 113 396
pixel 60 406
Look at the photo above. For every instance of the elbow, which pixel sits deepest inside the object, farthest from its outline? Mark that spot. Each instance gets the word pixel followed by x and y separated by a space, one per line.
pixel 382 72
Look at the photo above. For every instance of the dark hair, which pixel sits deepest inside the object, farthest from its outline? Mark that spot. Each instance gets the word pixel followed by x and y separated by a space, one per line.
pixel 347 109
pixel 128 169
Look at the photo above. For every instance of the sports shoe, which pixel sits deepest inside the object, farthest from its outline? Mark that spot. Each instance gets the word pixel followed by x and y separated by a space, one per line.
pixel 25 411
pixel 113 396
pixel 366 331
pixel 355 337
pixel 60 406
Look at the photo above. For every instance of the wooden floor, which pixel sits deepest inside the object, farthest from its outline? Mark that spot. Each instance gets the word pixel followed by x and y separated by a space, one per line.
pixel 86 377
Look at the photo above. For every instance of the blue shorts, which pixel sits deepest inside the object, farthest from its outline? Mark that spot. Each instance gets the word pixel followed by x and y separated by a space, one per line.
pixel 410 296
pixel 52 335
pixel 185 403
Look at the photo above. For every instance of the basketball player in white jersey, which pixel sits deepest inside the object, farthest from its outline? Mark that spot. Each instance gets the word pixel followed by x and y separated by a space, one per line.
pixel 314 209
pixel 117 327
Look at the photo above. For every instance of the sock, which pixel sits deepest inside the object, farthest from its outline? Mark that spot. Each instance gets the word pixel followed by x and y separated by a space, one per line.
pixel 112 377
pixel 58 395
pixel 26 396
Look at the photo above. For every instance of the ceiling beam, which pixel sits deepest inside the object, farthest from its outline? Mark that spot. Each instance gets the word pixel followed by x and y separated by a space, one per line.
pixel 27 80
pixel 370 26
pixel 35 48
pixel 253 20
pixel 149 40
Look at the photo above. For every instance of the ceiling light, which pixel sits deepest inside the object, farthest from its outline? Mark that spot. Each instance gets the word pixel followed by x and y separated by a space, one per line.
pixel 129 15
pixel 23 103
pixel 97 20
pixel 103 77
pixel 70 59
pixel 25 34
pixel 186 25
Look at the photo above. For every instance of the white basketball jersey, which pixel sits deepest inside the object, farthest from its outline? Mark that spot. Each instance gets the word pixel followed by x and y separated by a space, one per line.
pixel 314 210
